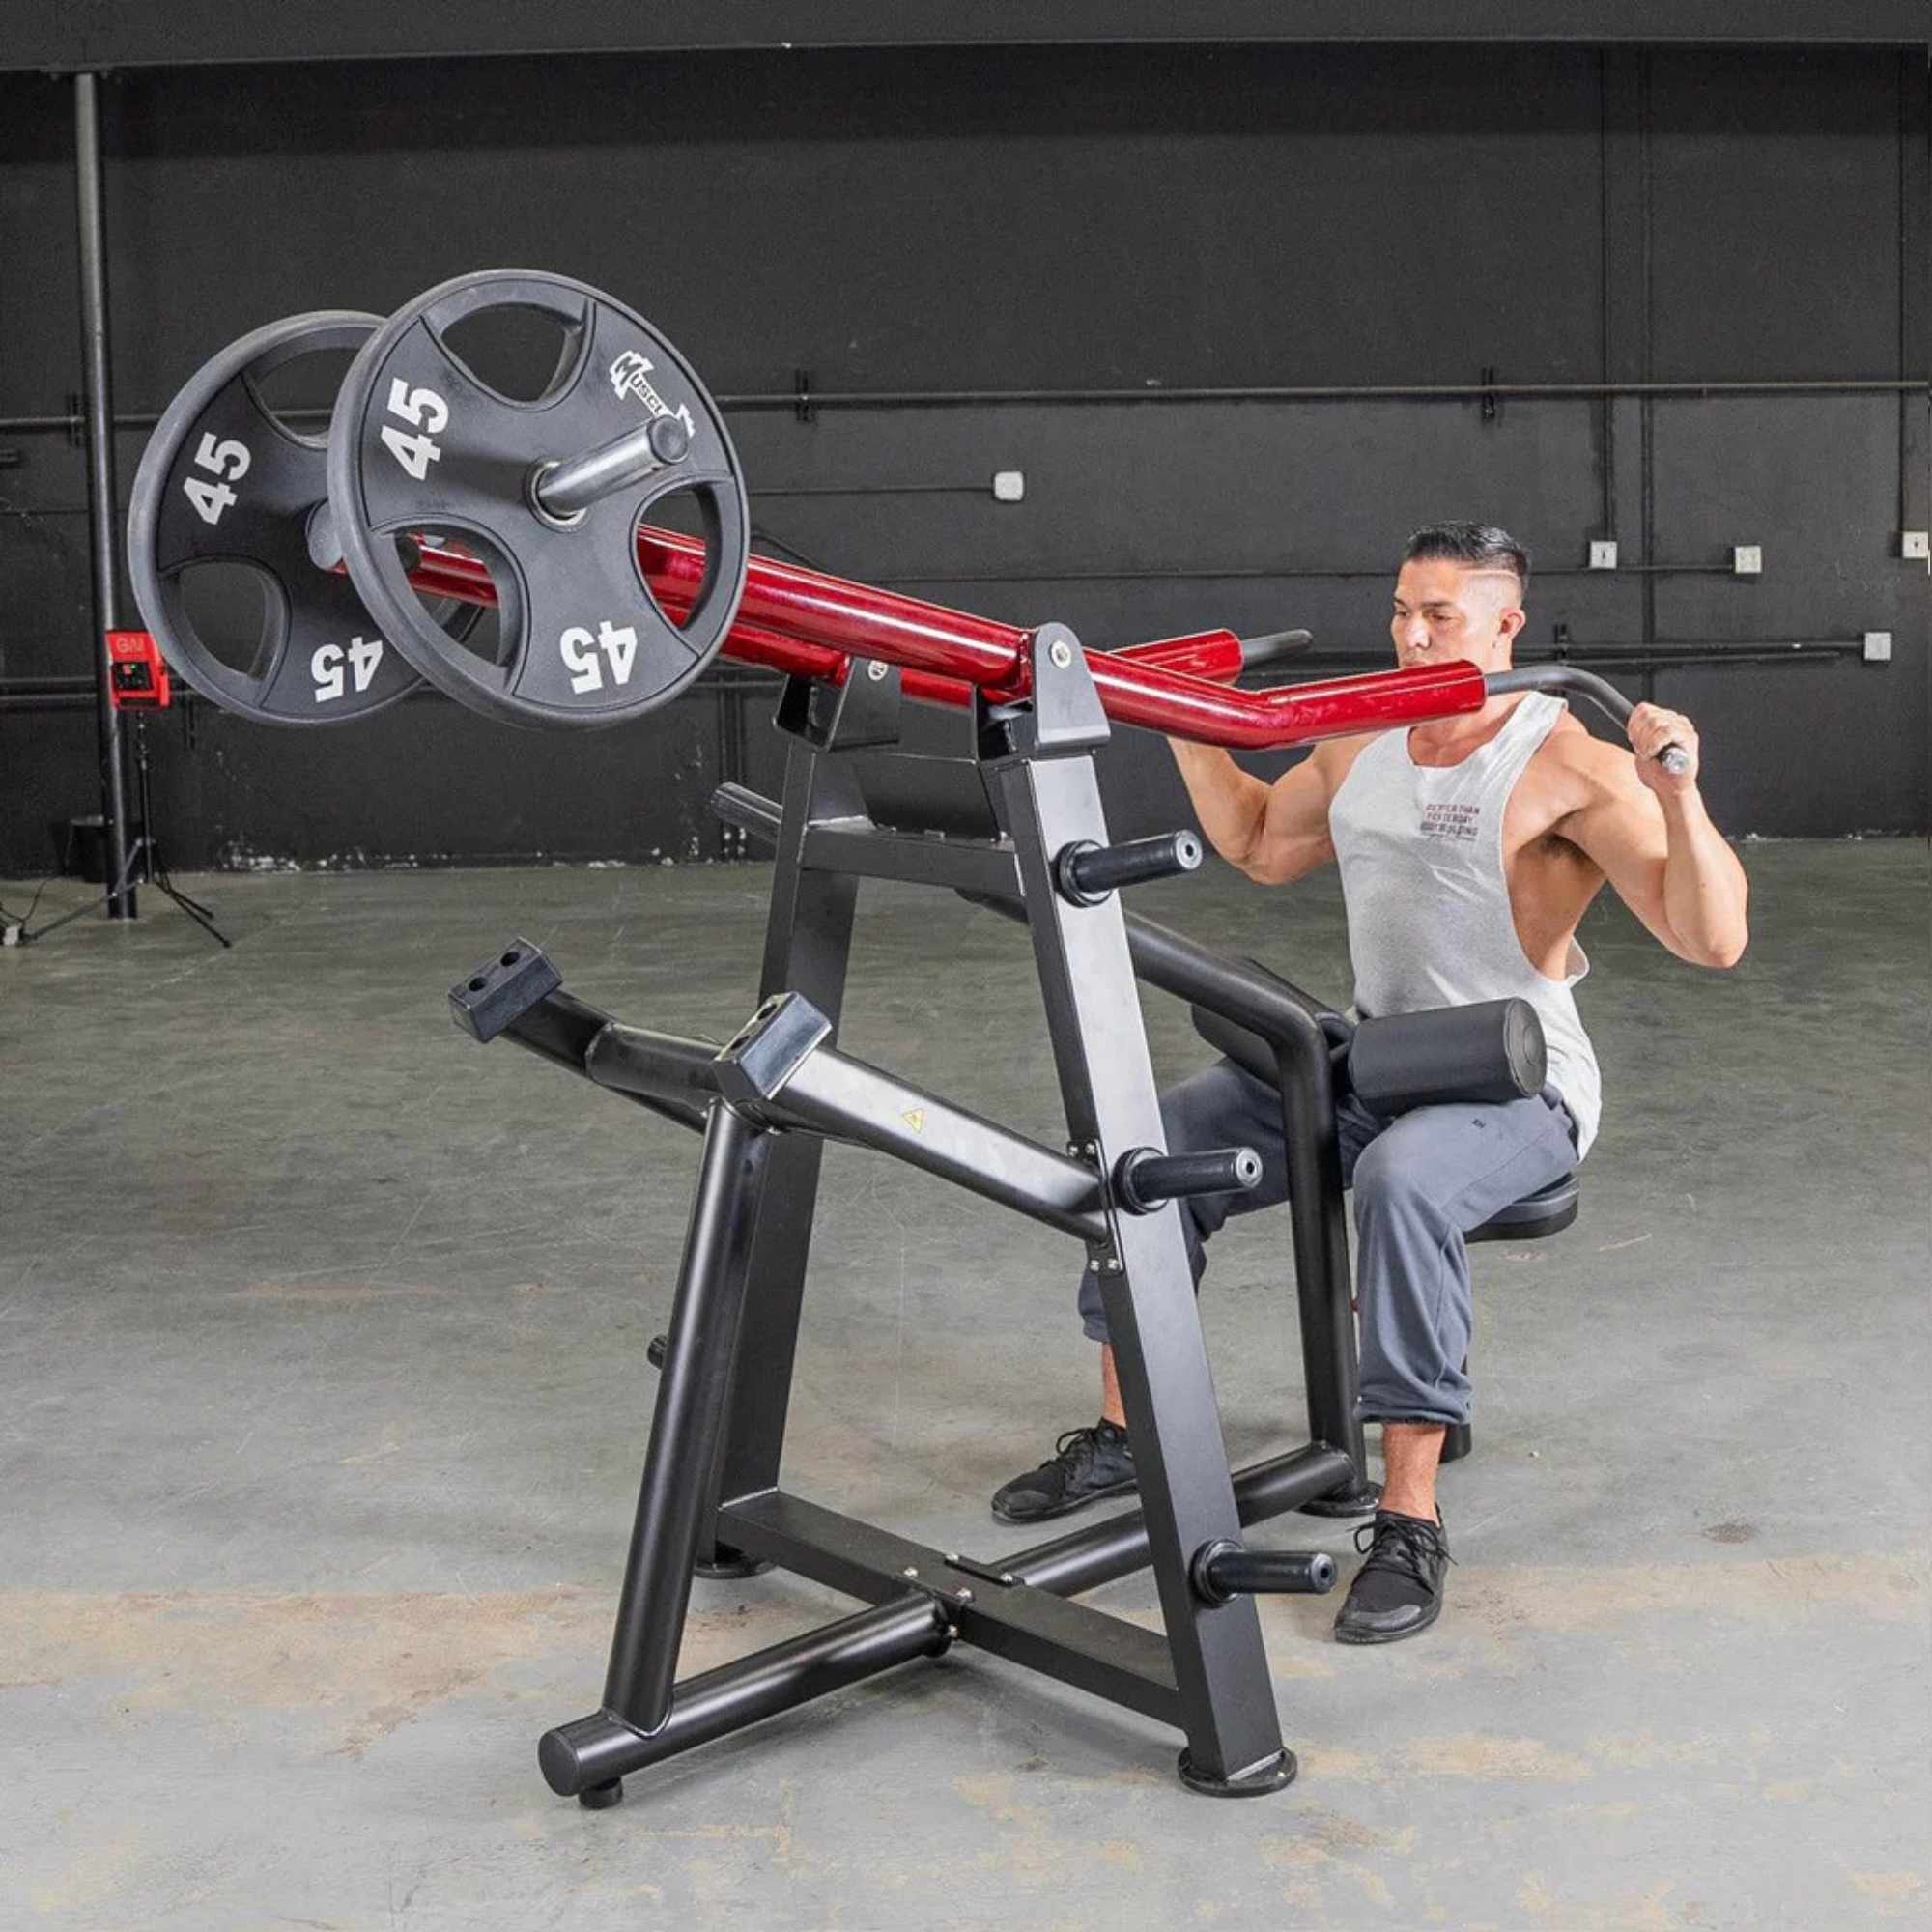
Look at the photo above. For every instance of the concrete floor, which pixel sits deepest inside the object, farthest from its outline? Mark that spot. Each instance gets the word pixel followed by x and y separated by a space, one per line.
pixel 324 1331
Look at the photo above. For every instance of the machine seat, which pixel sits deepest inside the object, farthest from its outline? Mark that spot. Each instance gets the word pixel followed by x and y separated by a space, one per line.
pixel 1548 1211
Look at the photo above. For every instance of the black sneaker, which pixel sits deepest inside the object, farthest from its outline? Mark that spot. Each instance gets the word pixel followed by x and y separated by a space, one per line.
pixel 1398 1591
pixel 1087 1463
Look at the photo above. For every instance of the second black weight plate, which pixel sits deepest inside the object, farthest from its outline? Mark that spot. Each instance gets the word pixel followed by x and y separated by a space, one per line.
pixel 225 480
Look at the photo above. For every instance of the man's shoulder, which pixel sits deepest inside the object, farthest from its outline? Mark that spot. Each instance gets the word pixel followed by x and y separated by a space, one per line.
pixel 1332 757
pixel 1571 751
pixel 1576 777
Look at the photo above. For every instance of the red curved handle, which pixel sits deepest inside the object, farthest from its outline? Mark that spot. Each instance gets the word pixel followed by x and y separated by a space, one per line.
pixel 807 623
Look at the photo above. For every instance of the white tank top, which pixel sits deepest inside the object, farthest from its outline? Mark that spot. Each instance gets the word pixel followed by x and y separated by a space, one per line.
pixel 1421 852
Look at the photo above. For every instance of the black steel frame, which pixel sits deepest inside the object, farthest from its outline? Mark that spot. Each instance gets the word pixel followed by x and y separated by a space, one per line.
pixel 856 806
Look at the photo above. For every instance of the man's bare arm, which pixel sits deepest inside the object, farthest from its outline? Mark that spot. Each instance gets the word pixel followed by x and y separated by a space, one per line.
pixel 1273 833
pixel 1648 830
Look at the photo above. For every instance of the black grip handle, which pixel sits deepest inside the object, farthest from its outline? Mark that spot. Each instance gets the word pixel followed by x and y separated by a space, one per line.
pixel 1223 1570
pixel 1576 682
pixel 1145 1179
pixel 1086 873
pixel 1275 647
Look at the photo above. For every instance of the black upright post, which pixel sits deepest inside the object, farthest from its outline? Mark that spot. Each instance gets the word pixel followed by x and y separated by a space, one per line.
pixel 102 524
pixel 671 1498
pixel 1323 1282
pixel 1051 800
pixel 808 949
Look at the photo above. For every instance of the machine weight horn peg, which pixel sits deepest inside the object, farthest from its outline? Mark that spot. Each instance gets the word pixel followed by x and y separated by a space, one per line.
pixel 1086 874
pixel 1145 1179
pixel 1222 1571
pixel 547 491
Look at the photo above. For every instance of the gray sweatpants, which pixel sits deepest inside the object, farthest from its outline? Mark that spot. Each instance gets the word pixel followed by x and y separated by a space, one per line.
pixel 1420 1180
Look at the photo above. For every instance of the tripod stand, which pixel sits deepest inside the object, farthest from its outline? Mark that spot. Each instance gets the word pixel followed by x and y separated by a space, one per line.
pixel 154 868
pixel 146 853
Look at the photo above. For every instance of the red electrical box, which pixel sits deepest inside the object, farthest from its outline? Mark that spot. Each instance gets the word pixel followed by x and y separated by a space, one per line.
pixel 137 673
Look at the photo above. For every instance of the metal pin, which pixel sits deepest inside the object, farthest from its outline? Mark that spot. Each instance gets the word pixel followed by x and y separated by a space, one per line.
pixel 560 491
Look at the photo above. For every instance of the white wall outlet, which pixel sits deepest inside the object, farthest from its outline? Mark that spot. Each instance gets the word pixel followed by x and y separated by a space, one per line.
pixel 1916 545
pixel 1878 647
pixel 1009 486
pixel 1747 559
pixel 1603 552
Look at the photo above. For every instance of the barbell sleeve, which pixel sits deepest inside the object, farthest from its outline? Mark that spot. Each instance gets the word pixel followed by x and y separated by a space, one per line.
pixel 563 489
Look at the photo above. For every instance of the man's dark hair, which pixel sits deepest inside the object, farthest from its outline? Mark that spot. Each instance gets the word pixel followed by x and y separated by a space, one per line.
pixel 1481 546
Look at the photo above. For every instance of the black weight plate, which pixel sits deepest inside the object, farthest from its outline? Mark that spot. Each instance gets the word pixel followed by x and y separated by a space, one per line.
pixel 421 440
pixel 224 480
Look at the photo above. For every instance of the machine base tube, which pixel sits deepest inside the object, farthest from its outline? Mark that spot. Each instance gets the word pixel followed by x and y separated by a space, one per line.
pixel 591 1753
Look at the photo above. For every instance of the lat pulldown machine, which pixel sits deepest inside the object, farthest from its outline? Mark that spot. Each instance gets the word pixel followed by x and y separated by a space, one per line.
pixel 436 493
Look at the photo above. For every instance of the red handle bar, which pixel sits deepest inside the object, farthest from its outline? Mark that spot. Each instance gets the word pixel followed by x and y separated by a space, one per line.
pixel 809 624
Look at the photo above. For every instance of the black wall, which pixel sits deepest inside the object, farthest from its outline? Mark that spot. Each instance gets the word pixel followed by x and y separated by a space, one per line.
pixel 1069 218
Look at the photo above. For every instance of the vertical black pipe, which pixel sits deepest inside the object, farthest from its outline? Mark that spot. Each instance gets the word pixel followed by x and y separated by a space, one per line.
pixel 1323 1280
pixel 1913 83
pixel 1646 409
pixel 1607 461
pixel 674 1503
pixel 102 525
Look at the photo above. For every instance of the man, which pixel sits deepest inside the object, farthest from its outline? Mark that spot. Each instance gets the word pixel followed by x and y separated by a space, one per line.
pixel 1470 851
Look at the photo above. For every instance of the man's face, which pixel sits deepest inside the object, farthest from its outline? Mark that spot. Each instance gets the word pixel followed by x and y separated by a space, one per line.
pixel 1445 610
